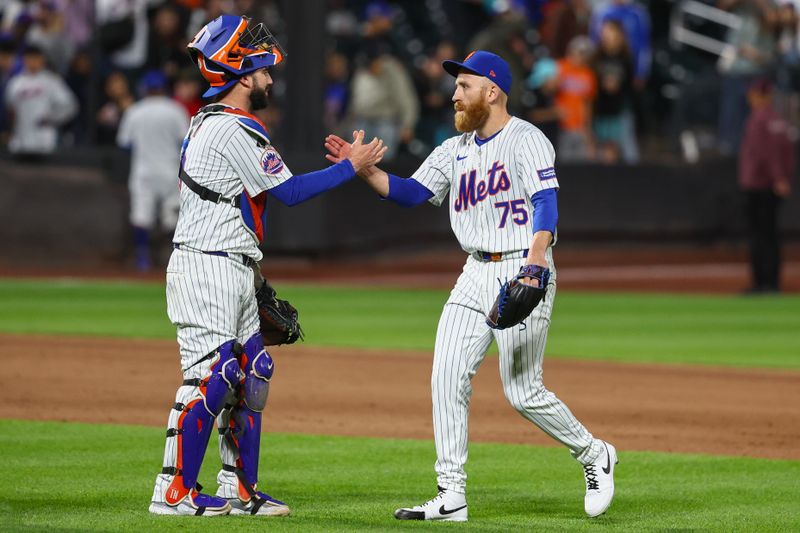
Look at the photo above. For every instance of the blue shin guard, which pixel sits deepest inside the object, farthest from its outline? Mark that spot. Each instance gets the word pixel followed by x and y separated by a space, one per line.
pixel 244 430
pixel 192 429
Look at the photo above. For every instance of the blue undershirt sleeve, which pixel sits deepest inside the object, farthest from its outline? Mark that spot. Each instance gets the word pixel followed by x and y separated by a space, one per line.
pixel 302 187
pixel 545 211
pixel 407 192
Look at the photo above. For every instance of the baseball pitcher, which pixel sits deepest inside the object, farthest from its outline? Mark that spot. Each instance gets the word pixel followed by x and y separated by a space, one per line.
pixel 501 179
pixel 228 165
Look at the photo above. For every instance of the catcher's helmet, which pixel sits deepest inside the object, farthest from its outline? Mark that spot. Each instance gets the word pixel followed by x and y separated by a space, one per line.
pixel 227 48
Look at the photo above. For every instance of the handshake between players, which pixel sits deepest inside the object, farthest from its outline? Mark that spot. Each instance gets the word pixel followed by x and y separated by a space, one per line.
pixel 362 156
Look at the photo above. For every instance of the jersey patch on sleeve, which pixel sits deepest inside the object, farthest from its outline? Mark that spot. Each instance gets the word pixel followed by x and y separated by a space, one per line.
pixel 271 162
pixel 547 174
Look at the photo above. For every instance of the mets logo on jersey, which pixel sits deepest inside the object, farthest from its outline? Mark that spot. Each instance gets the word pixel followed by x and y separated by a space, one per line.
pixel 471 191
pixel 271 162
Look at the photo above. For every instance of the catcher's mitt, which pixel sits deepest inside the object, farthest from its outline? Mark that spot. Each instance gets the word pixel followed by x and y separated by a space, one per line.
pixel 277 318
pixel 517 300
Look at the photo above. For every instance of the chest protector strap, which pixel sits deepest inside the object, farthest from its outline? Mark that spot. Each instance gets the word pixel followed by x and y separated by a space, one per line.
pixel 207 194
pixel 252 209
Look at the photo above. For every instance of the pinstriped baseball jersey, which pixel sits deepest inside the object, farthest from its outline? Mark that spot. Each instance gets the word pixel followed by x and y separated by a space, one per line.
pixel 220 154
pixel 491 184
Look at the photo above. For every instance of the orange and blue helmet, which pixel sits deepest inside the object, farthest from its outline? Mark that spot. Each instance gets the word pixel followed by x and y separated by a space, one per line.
pixel 228 47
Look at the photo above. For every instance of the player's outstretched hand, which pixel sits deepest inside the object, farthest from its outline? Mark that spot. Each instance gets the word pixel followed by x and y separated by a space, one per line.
pixel 362 156
pixel 338 149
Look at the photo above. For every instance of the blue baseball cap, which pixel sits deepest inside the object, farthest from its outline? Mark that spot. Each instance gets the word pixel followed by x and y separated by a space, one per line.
pixel 153 80
pixel 485 64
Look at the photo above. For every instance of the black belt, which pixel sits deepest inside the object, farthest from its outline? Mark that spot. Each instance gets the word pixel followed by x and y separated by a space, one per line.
pixel 246 260
pixel 491 257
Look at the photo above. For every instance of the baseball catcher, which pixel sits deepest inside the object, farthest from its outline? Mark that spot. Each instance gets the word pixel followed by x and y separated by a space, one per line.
pixel 228 165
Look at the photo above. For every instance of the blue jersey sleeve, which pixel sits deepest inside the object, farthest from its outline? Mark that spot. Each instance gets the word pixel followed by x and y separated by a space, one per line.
pixel 302 187
pixel 407 192
pixel 545 211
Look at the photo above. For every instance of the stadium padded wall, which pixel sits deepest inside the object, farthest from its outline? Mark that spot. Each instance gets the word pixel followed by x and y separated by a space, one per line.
pixel 76 206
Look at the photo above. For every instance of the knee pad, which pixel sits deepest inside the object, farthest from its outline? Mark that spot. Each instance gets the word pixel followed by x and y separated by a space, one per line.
pixel 258 372
pixel 225 377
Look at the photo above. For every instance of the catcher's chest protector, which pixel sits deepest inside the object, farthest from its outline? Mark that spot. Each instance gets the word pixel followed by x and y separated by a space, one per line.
pixel 252 209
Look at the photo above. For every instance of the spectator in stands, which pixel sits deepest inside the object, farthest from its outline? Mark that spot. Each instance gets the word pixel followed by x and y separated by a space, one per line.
pixel 636 23
pixel 78 78
pixel 565 21
pixel 9 11
pixel 382 98
pixel 766 170
pixel 153 130
pixel 577 89
pixel 123 31
pixel 435 90
pixel 613 68
pixel 48 32
pixel 187 91
pixel 542 110
pixel 40 103
pixel 336 91
pixel 505 36
pixel 342 26
pixel 378 20
pixel 788 63
pixel 118 98
pixel 8 61
pixel 166 48
pixel 77 15
pixel 751 53
pixel 19 27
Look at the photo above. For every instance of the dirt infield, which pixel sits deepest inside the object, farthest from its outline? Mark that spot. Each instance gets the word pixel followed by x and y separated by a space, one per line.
pixel 384 394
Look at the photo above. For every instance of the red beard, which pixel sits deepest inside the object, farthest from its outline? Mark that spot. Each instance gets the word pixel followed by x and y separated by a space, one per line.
pixel 471 117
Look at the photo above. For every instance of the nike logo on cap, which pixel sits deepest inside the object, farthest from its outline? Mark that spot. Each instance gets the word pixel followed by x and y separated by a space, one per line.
pixel 444 511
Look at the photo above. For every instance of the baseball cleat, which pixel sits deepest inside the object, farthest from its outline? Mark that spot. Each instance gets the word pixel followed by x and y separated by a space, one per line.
pixel 194 503
pixel 600 482
pixel 261 505
pixel 448 506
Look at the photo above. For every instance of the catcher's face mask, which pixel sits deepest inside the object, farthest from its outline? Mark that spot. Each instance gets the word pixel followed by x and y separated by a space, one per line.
pixel 259 38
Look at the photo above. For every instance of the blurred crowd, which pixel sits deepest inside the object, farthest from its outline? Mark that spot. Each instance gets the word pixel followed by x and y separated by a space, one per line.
pixel 600 77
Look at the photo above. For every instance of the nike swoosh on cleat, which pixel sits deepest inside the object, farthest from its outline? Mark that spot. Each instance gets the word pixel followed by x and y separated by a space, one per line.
pixel 459 158
pixel 607 468
pixel 444 511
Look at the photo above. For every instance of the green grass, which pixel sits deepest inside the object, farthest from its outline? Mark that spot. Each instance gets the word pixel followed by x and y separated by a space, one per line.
pixel 718 330
pixel 81 477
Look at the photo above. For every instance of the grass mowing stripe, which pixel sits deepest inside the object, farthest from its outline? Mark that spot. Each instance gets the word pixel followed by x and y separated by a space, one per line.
pixel 718 330
pixel 60 476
